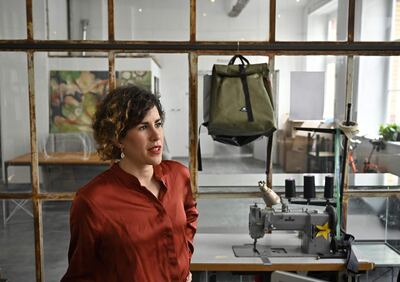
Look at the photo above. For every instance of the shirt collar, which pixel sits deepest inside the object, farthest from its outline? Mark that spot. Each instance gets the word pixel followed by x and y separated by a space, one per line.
pixel 129 179
pixel 160 175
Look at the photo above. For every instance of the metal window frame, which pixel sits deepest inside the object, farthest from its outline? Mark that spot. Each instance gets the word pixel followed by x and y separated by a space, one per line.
pixel 193 48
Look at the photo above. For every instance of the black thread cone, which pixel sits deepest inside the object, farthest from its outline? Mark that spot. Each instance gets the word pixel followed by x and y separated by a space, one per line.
pixel 309 187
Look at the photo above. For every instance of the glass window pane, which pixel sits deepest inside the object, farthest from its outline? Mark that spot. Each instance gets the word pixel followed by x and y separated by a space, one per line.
pixel 371 155
pixel 39 8
pixel 66 97
pixel 393 111
pixel 232 20
pixel 393 222
pixel 377 110
pixel 12 19
pixel 371 93
pixel 17 243
pixel 377 20
pixel 14 103
pixel 55 238
pixel 67 90
pixel 366 218
pixel 170 81
pixel 221 161
pixel 303 20
pixel 309 94
pixel 152 20
pixel 74 19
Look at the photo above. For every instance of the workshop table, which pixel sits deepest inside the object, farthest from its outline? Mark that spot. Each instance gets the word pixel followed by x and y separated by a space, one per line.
pixel 45 161
pixel 213 252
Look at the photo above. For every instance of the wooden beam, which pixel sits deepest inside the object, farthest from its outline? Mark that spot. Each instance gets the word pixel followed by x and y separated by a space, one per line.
pixel 272 18
pixel 37 205
pixel 111 31
pixel 192 23
pixel 365 48
pixel 193 133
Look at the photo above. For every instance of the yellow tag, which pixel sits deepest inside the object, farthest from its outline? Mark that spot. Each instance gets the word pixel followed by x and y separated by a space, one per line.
pixel 324 230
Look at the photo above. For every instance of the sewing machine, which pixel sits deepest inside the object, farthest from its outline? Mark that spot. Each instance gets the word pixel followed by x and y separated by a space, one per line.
pixel 317 228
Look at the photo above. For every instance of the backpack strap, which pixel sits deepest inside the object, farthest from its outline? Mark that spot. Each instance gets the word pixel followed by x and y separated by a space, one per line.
pixel 269 154
pixel 243 78
pixel 199 161
pixel 242 59
pixel 351 258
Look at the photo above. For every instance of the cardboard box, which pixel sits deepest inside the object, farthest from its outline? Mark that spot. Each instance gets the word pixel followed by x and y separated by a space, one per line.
pixel 291 125
pixel 295 162
pixel 300 144
pixel 284 144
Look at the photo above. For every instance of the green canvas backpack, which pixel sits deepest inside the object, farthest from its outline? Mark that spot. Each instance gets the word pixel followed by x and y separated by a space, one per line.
pixel 240 102
pixel 238 106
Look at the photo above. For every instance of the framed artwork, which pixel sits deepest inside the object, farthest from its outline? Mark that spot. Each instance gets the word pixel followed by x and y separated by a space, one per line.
pixel 156 89
pixel 138 78
pixel 74 95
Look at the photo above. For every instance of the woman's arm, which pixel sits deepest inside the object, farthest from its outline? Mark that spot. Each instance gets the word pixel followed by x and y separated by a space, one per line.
pixel 191 216
pixel 82 248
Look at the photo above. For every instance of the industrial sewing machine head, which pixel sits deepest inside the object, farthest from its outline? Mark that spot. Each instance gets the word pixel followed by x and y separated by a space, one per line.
pixel 316 227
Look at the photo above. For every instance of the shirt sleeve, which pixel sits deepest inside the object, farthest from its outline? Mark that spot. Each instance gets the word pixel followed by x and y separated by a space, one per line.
pixel 191 216
pixel 82 248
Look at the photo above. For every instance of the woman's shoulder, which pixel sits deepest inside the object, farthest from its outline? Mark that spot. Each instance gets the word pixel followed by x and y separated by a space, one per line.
pixel 100 181
pixel 173 165
pixel 174 168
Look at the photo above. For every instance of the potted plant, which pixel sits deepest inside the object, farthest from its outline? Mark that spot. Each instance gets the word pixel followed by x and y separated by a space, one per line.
pixel 390 132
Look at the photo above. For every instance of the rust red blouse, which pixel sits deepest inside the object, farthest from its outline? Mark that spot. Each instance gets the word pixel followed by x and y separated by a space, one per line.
pixel 121 232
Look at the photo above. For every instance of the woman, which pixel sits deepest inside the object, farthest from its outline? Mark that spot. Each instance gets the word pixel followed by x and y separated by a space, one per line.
pixel 136 221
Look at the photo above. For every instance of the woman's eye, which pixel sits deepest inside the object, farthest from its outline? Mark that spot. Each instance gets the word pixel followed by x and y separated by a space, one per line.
pixel 143 127
pixel 159 124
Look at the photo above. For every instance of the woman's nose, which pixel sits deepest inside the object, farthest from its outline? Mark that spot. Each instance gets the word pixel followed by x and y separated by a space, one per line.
pixel 156 133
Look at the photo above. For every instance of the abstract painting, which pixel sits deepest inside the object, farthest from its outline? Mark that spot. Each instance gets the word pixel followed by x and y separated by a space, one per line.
pixel 74 96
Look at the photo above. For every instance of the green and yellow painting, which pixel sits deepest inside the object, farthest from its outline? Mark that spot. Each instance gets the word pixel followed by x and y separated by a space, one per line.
pixel 74 96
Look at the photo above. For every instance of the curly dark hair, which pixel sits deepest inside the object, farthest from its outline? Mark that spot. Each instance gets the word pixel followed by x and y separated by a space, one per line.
pixel 122 109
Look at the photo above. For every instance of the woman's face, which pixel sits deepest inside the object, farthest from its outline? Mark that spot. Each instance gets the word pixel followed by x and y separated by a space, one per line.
pixel 143 144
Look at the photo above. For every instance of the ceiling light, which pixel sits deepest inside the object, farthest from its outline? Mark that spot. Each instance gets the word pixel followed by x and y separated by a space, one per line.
pixel 212 1
pixel 204 14
pixel 140 10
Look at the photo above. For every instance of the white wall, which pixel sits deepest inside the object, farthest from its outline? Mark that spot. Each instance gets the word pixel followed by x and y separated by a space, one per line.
pixel 14 109
pixel 376 20
pixel 213 22
pixel 174 89
pixel 58 23
pixel 372 94
pixel 290 24
pixel 285 65
pixel 12 19
pixel 93 10
pixel 371 82
pixel 152 19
